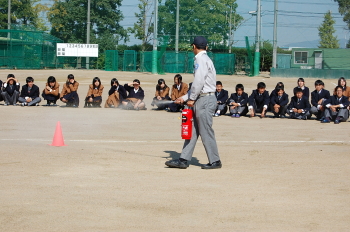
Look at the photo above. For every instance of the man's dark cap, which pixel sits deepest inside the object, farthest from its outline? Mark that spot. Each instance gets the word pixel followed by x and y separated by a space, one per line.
pixel 200 41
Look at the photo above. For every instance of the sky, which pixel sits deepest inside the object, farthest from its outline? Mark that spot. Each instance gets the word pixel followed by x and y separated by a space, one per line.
pixel 298 21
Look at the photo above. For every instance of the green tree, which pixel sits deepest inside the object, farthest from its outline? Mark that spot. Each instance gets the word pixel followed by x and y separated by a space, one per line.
pixel 143 28
pixel 209 18
pixel 69 22
pixel 326 31
pixel 24 14
pixel 344 10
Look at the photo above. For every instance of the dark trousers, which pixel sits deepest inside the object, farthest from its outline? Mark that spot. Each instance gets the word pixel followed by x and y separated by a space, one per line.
pixel 50 97
pixel 10 99
pixel 258 107
pixel 282 111
pixel 96 101
pixel 175 107
pixel 222 108
pixel 72 98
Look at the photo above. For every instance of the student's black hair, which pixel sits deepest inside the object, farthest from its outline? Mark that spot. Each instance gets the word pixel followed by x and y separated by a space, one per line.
pixel 298 89
pixel 114 80
pixel 319 82
pixel 342 78
pixel 51 79
pixel 339 87
pixel 300 79
pixel 179 78
pixel 239 86
pixel 261 85
pixel 161 81
pixel 278 88
pixel 70 76
pixel 138 81
pixel 218 83
pixel 10 75
pixel 29 79
pixel 94 80
pixel 279 84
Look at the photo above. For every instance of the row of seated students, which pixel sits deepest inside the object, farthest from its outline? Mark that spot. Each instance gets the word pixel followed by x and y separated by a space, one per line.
pixel 325 106
pixel 130 96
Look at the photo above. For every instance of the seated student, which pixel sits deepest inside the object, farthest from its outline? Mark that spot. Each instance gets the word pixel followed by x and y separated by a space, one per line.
pixel 135 96
pixel 342 83
pixel 238 102
pixel 10 90
pixel 116 94
pixel 51 92
pixel 259 100
pixel 299 106
pixel 318 97
pixel 69 94
pixel 274 93
pixel 94 94
pixel 336 107
pixel 301 84
pixel 29 93
pixel 221 98
pixel 161 95
pixel 178 89
pixel 279 102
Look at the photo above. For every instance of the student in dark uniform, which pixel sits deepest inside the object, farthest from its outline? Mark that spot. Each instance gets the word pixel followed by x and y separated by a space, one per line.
pixel 161 95
pixel 279 102
pixel 259 100
pixel 10 90
pixel 116 94
pixel 221 98
pixel 135 96
pixel 318 97
pixel 299 106
pixel 69 94
pixel 238 102
pixel 51 92
pixel 301 84
pixel 178 90
pixel 336 107
pixel 94 94
pixel 274 93
pixel 342 83
pixel 30 93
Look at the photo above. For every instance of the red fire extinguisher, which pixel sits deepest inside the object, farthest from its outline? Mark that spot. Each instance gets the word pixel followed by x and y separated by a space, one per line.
pixel 186 126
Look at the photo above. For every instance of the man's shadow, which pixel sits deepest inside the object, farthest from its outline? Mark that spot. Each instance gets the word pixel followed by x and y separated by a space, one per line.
pixel 175 155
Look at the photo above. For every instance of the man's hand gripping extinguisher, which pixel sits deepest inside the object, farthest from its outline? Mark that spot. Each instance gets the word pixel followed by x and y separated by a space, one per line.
pixel 186 126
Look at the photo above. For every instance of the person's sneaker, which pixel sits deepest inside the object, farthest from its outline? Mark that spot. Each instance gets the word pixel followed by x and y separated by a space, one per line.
pixel 177 163
pixel 326 120
pixel 214 165
pixel 5 104
pixel 233 115
pixel 15 104
pixel 216 115
pixel 337 121
pixel 37 104
pixel 24 104
pixel 283 116
pixel 238 115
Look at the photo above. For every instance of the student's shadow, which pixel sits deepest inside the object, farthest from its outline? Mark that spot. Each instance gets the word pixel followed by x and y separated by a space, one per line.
pixel 176 155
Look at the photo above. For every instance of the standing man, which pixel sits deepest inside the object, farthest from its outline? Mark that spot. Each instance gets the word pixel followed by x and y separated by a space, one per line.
pixel 202 99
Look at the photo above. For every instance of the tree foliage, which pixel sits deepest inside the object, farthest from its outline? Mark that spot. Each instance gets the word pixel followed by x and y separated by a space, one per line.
pixel 209 18
pixel 24 13
pixel 344 10
pixel 326 31
pixel 69 22
pixel 143 28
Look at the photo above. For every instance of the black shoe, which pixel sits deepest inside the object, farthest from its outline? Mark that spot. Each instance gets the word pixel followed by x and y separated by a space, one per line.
pixel 177 164
pixel 336 121
pixel 214 165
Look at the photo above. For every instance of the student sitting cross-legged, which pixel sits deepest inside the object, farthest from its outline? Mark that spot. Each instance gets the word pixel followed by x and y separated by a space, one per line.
pixel 299 106
pixel 94 94
pixel 221 98
pixel 318 97
pixel 30 93
pixel 69 94
pixel 10 90
pixel 259 100
pixel 161 95
pixel 178 90
pixel 51 92
pixel 116 94
pixel 134 101
pixel 279 102
pixel 238 102
pixel 274 93
pixel 336 107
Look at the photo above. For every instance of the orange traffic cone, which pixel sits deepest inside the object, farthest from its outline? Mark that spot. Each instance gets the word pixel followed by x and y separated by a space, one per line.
pixel 58 137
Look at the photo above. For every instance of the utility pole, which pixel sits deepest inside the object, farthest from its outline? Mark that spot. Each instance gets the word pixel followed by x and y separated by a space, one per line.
pixel 230 32
pixel 274 52
pixel 257 41
pixel 9 15
pixel 88 25
pixel 155 39
pixel 177 26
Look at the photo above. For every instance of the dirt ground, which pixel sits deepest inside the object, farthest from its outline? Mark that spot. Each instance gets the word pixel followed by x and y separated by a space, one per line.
pixel 278 174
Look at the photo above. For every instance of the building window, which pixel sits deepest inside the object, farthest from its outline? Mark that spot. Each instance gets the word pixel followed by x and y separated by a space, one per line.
pixel 300 57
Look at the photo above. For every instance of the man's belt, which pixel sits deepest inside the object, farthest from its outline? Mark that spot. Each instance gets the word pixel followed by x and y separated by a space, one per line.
pixel 206 94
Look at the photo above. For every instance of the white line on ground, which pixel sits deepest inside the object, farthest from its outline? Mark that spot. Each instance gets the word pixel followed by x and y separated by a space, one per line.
pixel 179 141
